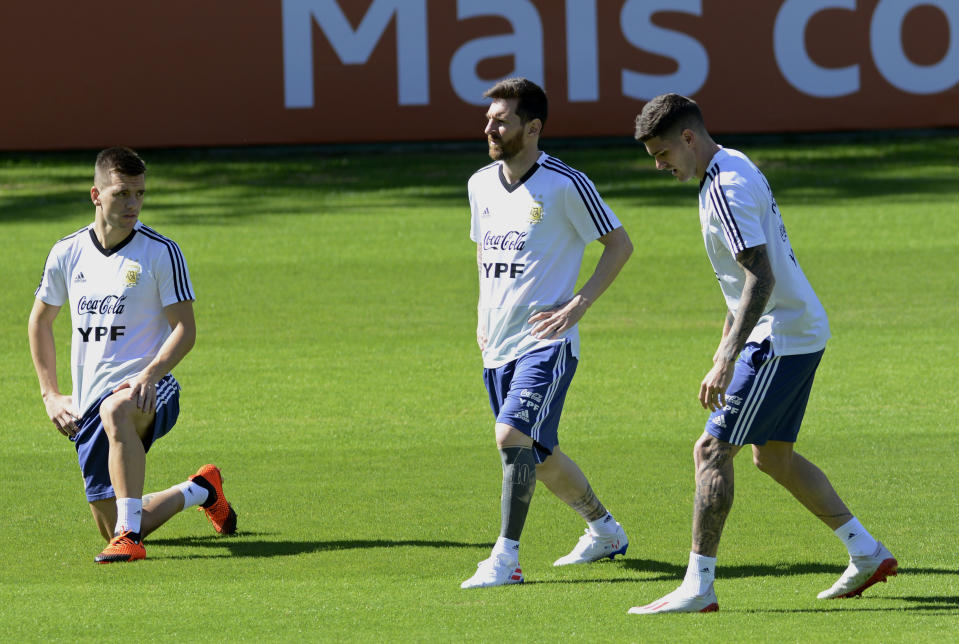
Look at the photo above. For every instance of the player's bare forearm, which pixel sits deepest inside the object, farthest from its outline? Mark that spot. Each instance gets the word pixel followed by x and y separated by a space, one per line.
pixel 553 322
pixel 756 291
pixel 617 248
pixel 60 408
pixel 42 346
pixel 727 325
pixel 178 343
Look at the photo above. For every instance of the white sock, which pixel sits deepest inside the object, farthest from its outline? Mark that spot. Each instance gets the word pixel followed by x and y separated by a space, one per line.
pixel 857 539
pixel 506 546
pixel 193 494
pixel 603 527
pixel 129 513
pixel 700 573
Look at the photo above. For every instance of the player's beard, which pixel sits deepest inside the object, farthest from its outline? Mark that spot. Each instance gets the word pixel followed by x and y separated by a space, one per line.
pixel 505 149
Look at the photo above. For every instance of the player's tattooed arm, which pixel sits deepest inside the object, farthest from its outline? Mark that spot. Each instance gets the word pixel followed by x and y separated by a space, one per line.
pixel 756 291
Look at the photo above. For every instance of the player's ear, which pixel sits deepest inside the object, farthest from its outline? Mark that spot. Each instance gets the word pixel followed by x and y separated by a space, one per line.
pixel 688 136
pixel 95 196
pixel 534 127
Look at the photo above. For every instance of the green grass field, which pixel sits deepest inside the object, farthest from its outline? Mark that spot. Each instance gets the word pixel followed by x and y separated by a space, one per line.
pixel 337 384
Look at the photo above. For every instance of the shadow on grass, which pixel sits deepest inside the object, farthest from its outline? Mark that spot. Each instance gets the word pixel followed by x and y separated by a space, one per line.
pixel 936 604
pixel 240 546
pixel 676 571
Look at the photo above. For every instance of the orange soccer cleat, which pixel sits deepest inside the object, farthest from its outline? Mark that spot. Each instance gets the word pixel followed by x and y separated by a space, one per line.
pixel 126 546
pixel 217 508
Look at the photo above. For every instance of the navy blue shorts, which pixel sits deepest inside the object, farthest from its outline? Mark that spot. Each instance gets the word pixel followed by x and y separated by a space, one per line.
pixel 93 446
pixel 528 393
pixel 767 398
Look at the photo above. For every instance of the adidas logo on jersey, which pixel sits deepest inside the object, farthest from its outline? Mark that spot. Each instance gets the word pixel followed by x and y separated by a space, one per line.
pixel 79 278
pixel 485 212
pixel 523 415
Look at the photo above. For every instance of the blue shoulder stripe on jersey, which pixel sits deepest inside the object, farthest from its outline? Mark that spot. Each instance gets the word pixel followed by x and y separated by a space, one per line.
pixel 718 198
pixel 180 284
pixel 586 192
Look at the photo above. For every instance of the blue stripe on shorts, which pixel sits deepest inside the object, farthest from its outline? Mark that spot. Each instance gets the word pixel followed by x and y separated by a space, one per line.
pixel 93 446
pixel 767 397
pixel 528 393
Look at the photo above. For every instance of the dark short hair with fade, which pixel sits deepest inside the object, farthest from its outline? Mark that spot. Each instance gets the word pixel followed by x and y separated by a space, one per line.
pixel 531 104
pixel 667 113
pixel 120 160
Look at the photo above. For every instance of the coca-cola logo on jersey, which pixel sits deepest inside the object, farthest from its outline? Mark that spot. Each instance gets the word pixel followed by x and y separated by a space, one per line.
pixel 109 305
pixel 513 240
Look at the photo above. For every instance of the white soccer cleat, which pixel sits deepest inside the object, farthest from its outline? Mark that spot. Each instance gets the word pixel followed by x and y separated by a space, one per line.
pixel 498 570
pixel 680 601
pixel 863 572
pixel 591 547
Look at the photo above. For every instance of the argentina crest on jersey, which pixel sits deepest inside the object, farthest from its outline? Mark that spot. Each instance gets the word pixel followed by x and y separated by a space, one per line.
pixel 536 211
pixel 131 273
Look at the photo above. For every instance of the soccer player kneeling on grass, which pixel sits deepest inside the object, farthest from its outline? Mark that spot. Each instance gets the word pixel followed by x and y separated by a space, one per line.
pixel 131 305
pixel 773 338
pixel 532 216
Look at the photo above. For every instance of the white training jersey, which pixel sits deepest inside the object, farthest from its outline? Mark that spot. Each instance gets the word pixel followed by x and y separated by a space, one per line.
pixel 531 237
pixel 737 211
pixel 116 300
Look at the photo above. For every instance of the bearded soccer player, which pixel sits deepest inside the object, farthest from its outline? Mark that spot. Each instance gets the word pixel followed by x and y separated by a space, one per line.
pixel 773 339
pixel 532 216
pixel 131 307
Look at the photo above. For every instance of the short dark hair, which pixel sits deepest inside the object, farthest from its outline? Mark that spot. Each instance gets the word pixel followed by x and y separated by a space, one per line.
pixel 532 103
pixel 120 160
pixel 667 113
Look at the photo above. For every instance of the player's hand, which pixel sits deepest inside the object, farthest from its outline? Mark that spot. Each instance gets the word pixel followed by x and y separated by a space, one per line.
pixel 712 390
pixel 62 414
pixel 143 393
pixel 555 321
pixel 481 338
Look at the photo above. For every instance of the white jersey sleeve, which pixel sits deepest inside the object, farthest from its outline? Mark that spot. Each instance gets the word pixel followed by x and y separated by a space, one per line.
pixel 172 276
pixel 585 209
pixel 473 188
pixel 53 282
pixel 740 211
